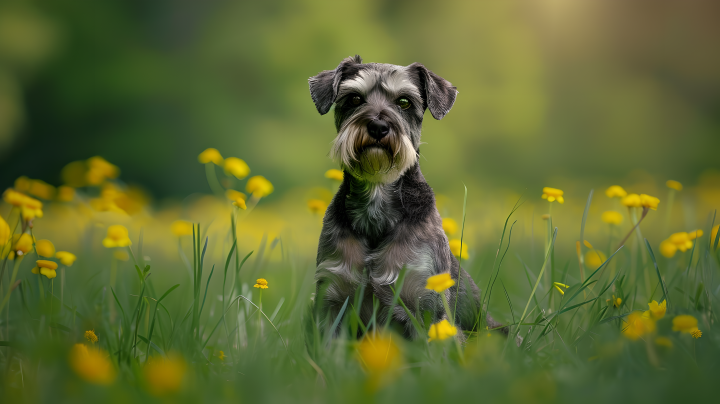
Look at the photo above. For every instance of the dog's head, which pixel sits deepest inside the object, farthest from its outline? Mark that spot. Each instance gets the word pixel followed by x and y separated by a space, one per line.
pixel 378 114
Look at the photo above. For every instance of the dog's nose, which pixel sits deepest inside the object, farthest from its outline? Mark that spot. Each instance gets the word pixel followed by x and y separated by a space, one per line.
pixel 378 129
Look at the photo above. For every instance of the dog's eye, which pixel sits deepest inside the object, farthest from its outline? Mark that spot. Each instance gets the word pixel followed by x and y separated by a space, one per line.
pixel 403 103
pixel 355 99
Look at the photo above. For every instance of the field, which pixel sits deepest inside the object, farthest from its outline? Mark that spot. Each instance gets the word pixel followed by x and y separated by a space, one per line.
pixel 206 299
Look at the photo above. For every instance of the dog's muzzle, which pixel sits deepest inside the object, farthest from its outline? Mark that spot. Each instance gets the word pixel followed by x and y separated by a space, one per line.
pixel 378 129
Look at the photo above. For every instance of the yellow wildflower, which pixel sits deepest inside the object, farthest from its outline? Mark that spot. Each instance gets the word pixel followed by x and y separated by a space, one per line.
pixel 45 248
pixel 668 249
pixel 378 353
pixel 121 255
pixel 261 284
pixel 657 310
pixel 616 301
pixel 696 333
pixel 647 201
pixel 23 244
pixel 455 248
pixel 685 323
pixel 90 336
pixel 117 236
pixel 22 184
pixel 334 174
pixel 181 228
pixel 587 244
pixel 259 186
pixel 631 201
pixel 211 156
pixel 66 258
pixel 99 170
pixel 41 189
pixel 46 268
pixel 674 185
pixel 553 194
pixel 442 330
pixel 316 206
pixel 682 241
pixel 692 235
pixel 66 193
pixel 234 195
pixel 450 226
pixel 664 341
pixel 236 167
pixel 545 217
pixel 30 208
pixel 240 203
pixel 92 365
pixel 439 282
pixel 558 285
pixel 612 217
pixel 74 174
pixel 635 326
pixel 221 355
pixel 616 191
pixel 4 233
pixel 594 258
pixel 164 376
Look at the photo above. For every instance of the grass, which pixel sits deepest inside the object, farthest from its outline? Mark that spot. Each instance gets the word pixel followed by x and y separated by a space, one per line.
pixel 174 328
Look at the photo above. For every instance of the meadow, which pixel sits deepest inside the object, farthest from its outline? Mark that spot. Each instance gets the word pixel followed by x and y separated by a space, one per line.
pixel 109 297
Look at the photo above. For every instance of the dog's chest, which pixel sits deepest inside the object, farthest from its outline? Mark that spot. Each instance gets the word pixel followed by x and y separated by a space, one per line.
pixel 374 209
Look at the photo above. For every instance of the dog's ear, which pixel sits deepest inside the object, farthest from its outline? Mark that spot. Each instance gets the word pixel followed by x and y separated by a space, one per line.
pixel 439 93
pixel 324 87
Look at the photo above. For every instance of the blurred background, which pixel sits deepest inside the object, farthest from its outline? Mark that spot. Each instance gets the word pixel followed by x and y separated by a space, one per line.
pixel 550 91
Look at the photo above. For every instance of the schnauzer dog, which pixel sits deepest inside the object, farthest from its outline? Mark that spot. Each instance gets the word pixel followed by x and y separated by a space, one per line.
pixel 383 217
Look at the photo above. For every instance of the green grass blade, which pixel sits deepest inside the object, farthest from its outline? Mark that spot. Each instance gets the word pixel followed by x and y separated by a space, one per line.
pixel 207 285
pixel 657 270
pixel 542 271
pixel 339 317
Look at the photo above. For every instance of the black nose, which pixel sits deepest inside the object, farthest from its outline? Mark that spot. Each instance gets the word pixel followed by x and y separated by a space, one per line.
pixel 378 129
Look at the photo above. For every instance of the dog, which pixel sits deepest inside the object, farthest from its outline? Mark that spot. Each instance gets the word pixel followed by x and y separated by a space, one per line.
pixel 383 217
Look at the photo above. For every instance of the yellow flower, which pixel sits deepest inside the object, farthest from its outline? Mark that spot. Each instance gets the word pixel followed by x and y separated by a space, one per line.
pixel 66 258
pixel 631 201
pixel 221 355
pixel 90 336
pixel 616 191
pixel 455 248
pixel 23 244
pixel 4 233
pixel 164 376
pixel 99 170
pixel 45 267
pixel 685 323
pixel 259 186
pixel 594 258
pixel 316 206
pixel 696 333
pixel 378 353
pixel 334 174
pixel 66 193
pixel 117 236
pixel 30 208
pixel 558 285
pixel 442 330
pixel 657 310
pixel 240 203
pixel 674 185
pixel 553 194
pixel 41 189
pixel 635 326
pixel 647 201
pixel 545 217
pixel 237 167
pixel 439 282
pixel 121 255
pixel 678 241
pixel 261 284
pixel 45 248
pixel 616 301
pixel 664 341
pixel 22 184
pixel 692 235
pixel 450 226
pixel 234 195
pixel 668 249
pixel 211 156
pixel 92 365
pixel 612 217
pixel 181 228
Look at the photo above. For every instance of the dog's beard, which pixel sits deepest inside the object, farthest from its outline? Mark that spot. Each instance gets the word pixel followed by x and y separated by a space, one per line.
pixel 374 161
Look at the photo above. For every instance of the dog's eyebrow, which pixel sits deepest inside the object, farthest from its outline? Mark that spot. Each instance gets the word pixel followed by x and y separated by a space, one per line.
pixel 395 83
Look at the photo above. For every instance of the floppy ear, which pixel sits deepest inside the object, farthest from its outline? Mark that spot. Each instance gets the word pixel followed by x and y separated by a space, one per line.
pixel 324 87
pixel 439 93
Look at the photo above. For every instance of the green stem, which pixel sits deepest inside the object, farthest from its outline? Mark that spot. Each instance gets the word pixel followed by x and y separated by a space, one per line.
pixel 211 175
pixel 16 267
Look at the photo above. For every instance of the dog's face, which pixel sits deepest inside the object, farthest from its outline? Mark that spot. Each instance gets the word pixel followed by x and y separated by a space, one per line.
pixel 378 114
